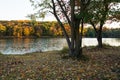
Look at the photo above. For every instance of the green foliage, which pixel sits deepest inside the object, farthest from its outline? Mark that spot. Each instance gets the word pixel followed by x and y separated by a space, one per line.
pixel 64 54
pixel 65 50
pixel 107 33
pixel 44 7
pixel 90 33
pixel 112 33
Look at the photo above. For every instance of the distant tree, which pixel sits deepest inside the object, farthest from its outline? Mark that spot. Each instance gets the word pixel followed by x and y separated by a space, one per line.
pixel 17 31
pixel 26 31
pixel 2 30
pixel 38 31
pixel 112 33
pixel 9 30
pixel 33 19
pixel 32 31
pixel 90 32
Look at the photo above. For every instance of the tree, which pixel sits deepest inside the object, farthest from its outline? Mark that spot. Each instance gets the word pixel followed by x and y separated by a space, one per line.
pixel 38 31
pixel 99 12
pixel 2 30
pixel 26 31
pixel 115 10
pixel 72 12
pixel 9 28
pixel 17 31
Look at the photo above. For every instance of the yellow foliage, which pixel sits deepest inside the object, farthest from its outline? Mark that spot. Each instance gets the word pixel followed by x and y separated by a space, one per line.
pixel 17 31
pixel 2 28
pixel 31 30
pixel 84 31
pixel 26 31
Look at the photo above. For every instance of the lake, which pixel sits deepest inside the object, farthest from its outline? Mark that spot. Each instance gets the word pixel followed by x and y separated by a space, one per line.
pixel 22 46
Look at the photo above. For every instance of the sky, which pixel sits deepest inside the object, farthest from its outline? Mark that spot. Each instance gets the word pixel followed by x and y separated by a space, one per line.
pixel 14 9
pixel 19 9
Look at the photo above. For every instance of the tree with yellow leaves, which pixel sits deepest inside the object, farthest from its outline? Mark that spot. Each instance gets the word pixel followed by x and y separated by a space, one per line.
pixel 2 30
pixel 26 31
pixel 17 31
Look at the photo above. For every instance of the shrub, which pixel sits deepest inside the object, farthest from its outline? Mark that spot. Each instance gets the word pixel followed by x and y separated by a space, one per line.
pixel 64 51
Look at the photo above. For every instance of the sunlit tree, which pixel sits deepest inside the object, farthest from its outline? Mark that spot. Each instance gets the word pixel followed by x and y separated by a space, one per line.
pixel 2 30
pixel 17 31
pixel 26 31
pixel 32 31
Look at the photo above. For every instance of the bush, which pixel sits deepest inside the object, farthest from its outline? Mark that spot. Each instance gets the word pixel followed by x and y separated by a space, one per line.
pixel 64 51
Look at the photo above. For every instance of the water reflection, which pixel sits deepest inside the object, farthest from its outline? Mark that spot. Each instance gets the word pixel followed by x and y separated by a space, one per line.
pixel 112 41
pixel 21 46
pixel 108 41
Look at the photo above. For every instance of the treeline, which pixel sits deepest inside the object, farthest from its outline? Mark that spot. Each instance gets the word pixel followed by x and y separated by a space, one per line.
pixel 30 28
pixel 107 33
pixel 26 28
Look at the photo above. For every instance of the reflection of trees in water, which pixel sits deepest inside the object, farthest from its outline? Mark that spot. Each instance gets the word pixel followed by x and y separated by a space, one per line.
pixel 3 44
pixel 26 43
pixel 21 46
pixel 17 43
pixel 111 41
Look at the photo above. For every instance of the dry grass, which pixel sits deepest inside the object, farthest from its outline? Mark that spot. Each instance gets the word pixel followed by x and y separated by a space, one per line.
pixel 103 64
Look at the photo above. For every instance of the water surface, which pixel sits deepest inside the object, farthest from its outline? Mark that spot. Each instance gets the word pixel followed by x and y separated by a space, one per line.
pixel 22 46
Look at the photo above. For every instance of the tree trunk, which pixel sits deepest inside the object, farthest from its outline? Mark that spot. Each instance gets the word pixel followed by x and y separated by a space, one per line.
pixel 78 40
pixel 77 43
pixel 98 33
pixel 72 41
pixel 73 36
pixel 99 38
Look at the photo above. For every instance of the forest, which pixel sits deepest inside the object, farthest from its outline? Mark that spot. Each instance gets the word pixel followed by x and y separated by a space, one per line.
pixel 27 28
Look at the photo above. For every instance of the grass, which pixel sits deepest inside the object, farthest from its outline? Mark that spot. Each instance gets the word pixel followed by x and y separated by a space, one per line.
pixel 1 53
pixel 103 64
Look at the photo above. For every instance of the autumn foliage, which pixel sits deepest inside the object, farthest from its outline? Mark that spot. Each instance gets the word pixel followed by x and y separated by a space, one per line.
pixel 27 28
pixel 24 28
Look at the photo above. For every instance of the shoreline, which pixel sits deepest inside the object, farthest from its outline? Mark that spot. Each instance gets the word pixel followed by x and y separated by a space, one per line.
pixel 23 37
pixel 92 48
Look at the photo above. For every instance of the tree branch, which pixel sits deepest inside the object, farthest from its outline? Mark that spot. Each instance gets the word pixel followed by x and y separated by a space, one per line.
pixel 64 12
pixel 93 26
pixel 62 26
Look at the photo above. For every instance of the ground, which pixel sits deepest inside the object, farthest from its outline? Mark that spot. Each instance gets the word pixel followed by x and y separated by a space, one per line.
pixel 100 64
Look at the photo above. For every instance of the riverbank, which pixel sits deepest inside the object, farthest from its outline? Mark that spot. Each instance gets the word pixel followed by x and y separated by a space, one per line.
pixel 23 37
pixel 103 64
